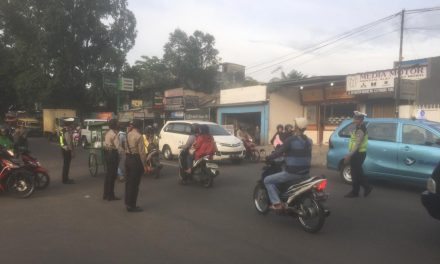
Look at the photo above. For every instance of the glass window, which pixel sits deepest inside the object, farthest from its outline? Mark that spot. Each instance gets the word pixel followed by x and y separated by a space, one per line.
pixel 416 135
pixel 335 114
pixel 311 114
pixel 169 128
pixel 382 131
pixel 347 130
pixel 217 130
pixel 179 128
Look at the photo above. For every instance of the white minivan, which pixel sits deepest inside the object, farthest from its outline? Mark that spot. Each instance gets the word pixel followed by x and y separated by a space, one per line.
pixel 176 133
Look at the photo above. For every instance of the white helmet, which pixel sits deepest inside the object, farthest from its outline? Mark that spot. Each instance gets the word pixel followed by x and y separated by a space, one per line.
pixel 301 122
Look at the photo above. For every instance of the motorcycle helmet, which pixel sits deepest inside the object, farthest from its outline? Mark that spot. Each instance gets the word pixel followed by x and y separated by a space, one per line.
pixel 301 123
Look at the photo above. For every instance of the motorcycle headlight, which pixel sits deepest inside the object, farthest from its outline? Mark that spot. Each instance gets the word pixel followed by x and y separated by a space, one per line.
pixel 431 186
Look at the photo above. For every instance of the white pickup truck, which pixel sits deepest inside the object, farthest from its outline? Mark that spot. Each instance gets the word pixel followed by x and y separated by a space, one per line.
pixel 86 134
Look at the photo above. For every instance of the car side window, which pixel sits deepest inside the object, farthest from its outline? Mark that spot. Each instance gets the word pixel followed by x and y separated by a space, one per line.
pixel 346 131
pixel 187 129
pixel 169 128
pixel 416 135
pixel 382 131
pixel 179 128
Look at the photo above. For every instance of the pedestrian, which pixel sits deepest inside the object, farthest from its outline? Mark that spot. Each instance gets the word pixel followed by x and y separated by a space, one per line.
pixel 357 148
pixel 67 149
pixel 135 163
pixel 257 135
pixel 111 146
pixel 122 137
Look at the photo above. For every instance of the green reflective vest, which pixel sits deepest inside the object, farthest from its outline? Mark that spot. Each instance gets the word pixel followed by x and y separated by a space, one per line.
pixel 352 143
pixel 62 139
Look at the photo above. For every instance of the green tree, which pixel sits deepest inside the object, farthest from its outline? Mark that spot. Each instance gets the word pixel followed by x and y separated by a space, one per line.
pixel 193 60
pixel 62 48
pixel 292 75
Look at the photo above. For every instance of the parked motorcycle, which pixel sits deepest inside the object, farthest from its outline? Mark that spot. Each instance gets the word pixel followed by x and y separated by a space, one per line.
pixel 13 178
pixel 302 198
pixel 252 153
pixel 41 174
pixel 203 171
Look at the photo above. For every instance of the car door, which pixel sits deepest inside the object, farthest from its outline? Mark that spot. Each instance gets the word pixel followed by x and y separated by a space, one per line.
pixel 419 152
pixel 167 136
pixel 382 149
pixel 180 136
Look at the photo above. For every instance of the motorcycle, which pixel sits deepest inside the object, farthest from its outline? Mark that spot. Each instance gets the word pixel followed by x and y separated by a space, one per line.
pixel 41 174
pixel 203 171
pixel 301 198
pixel 252 152
pixel 153 166
pixel 13 178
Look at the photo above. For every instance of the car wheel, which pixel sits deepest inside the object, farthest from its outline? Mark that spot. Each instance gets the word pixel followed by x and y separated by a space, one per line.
pixel 345 172
pixel 167 154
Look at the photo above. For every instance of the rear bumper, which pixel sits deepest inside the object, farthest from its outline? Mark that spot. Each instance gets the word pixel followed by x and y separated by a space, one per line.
pixel 431 202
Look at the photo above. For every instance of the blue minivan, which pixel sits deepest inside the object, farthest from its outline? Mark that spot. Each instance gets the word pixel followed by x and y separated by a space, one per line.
pixel 398 149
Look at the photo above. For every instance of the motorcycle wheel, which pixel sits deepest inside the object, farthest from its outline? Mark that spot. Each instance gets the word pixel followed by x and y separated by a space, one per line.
pixel 42 180
pixel 21 184
pixel 313 216
pixel 255 156
pixel 93 165
pixel 207 180
pixel 261 199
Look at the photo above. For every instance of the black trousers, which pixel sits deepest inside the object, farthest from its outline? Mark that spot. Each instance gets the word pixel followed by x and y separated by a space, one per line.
pixel 112 161
pixel 357 173
pixel 67 157
pixel 134 171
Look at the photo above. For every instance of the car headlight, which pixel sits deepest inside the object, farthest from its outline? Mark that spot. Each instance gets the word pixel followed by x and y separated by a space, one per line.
pixel 431 186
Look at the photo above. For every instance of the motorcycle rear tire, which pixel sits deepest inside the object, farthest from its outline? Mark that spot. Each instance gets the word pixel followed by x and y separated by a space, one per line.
pixel 207 181
pixel 317 212
pixel 21 183
pixel 261 199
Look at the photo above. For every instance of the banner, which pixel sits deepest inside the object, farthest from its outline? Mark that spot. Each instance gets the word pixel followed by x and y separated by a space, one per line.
pixel 382 81
pixel 198 114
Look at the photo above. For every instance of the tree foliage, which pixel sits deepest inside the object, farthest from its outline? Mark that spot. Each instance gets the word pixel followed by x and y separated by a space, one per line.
pixel 192 60
pixel 58 47
pixel 292 75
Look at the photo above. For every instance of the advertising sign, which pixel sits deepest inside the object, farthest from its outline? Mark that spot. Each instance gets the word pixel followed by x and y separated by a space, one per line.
pixel 126 84
pixel 136 103
pixel 198 114
pixel 382 81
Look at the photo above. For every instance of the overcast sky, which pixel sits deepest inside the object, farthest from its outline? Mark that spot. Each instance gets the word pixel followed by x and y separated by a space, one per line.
pixel 255 32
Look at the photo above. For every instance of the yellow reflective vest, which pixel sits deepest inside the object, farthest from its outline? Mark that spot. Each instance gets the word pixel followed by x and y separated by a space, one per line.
pixel 353 139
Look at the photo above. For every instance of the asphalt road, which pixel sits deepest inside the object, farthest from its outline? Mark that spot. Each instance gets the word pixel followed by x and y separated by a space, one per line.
pixel 190 224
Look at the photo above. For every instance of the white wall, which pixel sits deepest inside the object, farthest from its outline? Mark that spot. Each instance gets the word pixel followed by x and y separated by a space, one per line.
pixel 243 95
pixel 284 106
pixel 432 112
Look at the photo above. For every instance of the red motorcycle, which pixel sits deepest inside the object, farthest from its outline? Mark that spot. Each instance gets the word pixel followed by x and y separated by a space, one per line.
pixel 13 178
pixel 41 174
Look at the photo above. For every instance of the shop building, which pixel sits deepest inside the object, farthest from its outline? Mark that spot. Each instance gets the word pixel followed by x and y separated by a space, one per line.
pixel 322 100
pixel 246 108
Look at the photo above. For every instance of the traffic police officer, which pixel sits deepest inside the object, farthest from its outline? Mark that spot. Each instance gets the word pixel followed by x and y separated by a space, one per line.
pixel 111 145
pixel 66 144
pixel 357 148
pixel 134 163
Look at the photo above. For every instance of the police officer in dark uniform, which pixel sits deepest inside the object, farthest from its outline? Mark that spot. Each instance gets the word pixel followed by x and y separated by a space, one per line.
pixel 111 145
pixel 357 153
pixel 66 144
pixel 134 163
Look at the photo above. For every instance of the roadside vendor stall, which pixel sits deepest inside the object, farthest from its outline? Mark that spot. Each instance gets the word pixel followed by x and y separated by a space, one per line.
pixel 96 148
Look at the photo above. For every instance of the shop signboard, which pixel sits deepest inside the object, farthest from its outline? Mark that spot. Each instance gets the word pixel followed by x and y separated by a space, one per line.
pixel 174 103
pixel 158 101
pixel 136 103
pixel 198 114
pixel 126 84
pixel 177 114
pixel 178 92
pixel 382 81
pixel 191 102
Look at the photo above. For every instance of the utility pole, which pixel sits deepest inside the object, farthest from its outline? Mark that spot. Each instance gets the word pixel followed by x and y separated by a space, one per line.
pixel 399 67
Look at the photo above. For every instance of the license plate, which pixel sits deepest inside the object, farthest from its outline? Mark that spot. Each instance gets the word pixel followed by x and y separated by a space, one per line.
pixel 212 165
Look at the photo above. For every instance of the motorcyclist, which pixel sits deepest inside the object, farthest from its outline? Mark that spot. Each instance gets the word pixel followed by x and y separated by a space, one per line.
pixel 276 139
pixel 205 144
pixel 195 130
pixel 297 150
pixel 288 131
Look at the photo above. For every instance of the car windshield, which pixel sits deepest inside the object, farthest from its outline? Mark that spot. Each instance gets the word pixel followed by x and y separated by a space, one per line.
pixel 217 130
